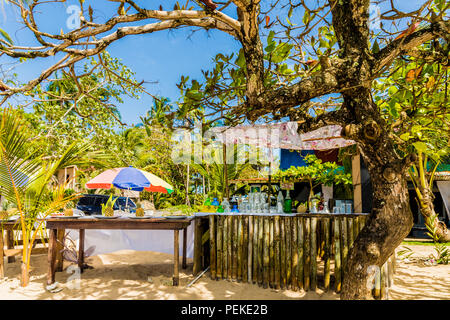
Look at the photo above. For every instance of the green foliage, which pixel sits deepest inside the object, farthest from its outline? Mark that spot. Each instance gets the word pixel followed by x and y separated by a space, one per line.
pixel 442 255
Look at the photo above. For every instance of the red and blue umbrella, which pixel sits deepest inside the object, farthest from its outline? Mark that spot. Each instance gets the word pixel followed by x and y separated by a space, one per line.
pixel 129 178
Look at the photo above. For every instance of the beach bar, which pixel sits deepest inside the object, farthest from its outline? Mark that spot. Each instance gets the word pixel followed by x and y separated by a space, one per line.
pixel 282 251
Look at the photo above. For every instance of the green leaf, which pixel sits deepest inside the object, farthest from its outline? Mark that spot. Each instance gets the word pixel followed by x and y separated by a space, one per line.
pixel 375 47
pixel 420 146
pixel 6 36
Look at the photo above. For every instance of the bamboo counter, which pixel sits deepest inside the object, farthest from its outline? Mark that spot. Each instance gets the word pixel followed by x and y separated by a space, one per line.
pixel 282 251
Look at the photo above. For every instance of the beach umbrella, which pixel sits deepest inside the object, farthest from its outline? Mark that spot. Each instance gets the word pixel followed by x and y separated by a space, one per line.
pixel 129 178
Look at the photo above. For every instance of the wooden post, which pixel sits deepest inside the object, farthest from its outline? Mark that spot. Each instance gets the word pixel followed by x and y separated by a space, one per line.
pixel 377 287
pixel 344 244
pixel 276 238
pixel 327 254
pixel 240 236
pixel 229 247
pixel 212 246
pixel 260 249
pixel 255 249
pixel 337 256
pixel 283 253
pixel 2 270
pixel 271 254
pixel 176 257
pixel 288 252
pixel 250 248
pixel 294 253
pixel 350 232
pixel 383 277
pixel 81 250
pixel 300 245
pixel 184 265
pixel 10 244
pixel 245 250
pixel 356 177
pixel 219 242
pixel 52 246
pixel 313 254
pixel 266 244
pixel 225 248
pixel 235 237
pixel 59 250
pixel 307 254
pixel 198 249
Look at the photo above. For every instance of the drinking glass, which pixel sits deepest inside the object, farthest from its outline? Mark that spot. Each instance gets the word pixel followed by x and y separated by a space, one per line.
pixel 348 208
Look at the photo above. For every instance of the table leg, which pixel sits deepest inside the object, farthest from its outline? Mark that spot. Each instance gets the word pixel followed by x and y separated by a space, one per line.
pixel 52 247
pixel 10 244
pixel 59 249
pixel 81 250
pixel 183 265
pixel 2 272
pixel 176 257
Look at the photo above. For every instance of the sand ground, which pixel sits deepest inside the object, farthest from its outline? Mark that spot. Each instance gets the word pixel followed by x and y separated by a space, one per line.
pixel 147 275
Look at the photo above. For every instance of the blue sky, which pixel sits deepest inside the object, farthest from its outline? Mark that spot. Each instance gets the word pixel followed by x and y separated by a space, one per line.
pixel 161 56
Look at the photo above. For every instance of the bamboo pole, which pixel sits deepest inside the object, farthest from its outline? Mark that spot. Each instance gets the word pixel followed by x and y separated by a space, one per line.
pixel 344 245
pixel 300 237
pixel 250 248
pixel 198 248
pixel 321 237
pixel 266 243
pixel 212 246
pixel 383 282
pixel 271 254
pixel 229 246
pixel 260 249
pixel 277 237
pixel 255 249
pixel 282 253
pixel 327 254
pixel 225 247
pixel 288 252
pixel 307 254
pixel 235 238
pixel 219 266
pixel 313 253
pixel 337 256
pixel 239 255
pixel 245 249
pixel 377 288
pixel 294 253
pixel 350 232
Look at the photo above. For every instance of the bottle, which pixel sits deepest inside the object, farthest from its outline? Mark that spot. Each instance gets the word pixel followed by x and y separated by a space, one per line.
pixel 288 203
pixel 235 209
pixel 280 202
pixel 215 205
pixel 207 205
pixel 220 209
pixel 226 205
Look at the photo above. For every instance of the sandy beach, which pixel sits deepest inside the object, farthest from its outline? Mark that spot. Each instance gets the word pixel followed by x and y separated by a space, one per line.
pixel 147 275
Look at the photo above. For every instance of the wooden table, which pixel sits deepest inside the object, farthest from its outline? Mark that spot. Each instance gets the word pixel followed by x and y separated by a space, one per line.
pixel 55 224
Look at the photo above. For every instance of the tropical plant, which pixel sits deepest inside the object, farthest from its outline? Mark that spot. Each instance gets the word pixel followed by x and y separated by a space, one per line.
pixel 315 173
pixel 442 255
pixel 25 180
pixel 108 207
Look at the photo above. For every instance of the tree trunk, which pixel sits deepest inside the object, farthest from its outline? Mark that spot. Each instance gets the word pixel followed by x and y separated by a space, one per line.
pixel 188 202
pixel 389 223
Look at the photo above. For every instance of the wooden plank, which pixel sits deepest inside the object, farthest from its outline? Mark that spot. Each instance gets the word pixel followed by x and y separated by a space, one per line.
pixel 383 276
pixel 235 239
pixel 276 251
pixel 10 244
pixel 294 248
pixel 351 239
pixel 260 249
pixel 300 250
pixel 356 177
pixel 230 247
pixel 250 249
pixel 198 250
pixel 245 249
pixel 183 265
pixel 81 250
pixel 17 252
pixel 255 249
pixel 2 270
pixel 271 254
pixel 240 258
pixel 176 257
pixel 59 250
pixel 52 246
pixel 307 254
pixel 344 244
pixel 313 254
pixel 327 254
pixel 337 255
pixel 282 253
pixel 288 252
pixel 266 244
pixel 212 246
pixel 219 244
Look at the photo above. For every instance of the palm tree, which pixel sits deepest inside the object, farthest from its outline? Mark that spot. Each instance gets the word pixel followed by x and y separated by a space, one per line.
pixel 25 180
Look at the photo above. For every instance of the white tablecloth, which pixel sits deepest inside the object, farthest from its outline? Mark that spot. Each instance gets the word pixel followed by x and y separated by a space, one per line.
pixel 108 241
